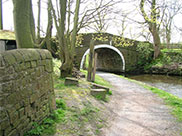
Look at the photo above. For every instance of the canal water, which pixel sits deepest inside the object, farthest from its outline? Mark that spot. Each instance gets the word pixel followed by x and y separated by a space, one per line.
pixel 171 84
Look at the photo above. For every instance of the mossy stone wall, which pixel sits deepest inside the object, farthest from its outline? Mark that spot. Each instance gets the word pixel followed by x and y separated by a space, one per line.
pixel 127 47
pixel 26 89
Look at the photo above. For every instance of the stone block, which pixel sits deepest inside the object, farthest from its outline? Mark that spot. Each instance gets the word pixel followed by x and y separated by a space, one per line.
pixel 49 66
pixel 33 97
pixel 1 61
pixel 7 131
pixel 9 58
pixel 42 54
pixel 33 64
pixel 4 123
pixel 18 56
pixel 97 86
pixel 6 87
pixel 3 113
pixel 21 112
pixel 2 71
pixel 9 70
pixel 14 119
pixel 27 65
pixel 34 54
pixel 71 81
pixel 13 98
pixel 101 93
pixel 13 133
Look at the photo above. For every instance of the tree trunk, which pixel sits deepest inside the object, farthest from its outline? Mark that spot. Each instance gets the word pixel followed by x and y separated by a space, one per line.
pixel 49 28
pixel 67 64
pixel 32 23
pixel 156 40
pixel 168 36
pixel 74 33
pixel 38 20
pixel 21 13
pixel 153 25
pixel 1 15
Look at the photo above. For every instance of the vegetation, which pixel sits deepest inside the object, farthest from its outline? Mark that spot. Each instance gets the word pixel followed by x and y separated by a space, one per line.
pixel 174 102
pixel 145 52
pixel 75 110
pixel 98 80
pixel 48 125
pixel 169 59
pixel 152 21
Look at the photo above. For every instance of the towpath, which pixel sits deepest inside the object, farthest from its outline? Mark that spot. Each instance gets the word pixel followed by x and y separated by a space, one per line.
pixel 137 111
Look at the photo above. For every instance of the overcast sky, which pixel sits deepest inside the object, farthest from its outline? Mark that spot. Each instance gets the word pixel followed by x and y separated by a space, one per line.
pixel 114 28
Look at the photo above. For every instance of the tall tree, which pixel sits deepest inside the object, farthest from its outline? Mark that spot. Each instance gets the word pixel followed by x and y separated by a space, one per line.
pixel 24 24
pixel 38 21
pixel 97 14
pixel 1 15
pixel 170 10
pixel 153 25
pixel 66 37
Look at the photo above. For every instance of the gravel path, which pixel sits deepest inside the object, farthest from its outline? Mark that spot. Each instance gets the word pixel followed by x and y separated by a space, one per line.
pixel 137 111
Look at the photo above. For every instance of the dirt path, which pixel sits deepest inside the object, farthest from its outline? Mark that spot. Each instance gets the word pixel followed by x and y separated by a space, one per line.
pixel 137 111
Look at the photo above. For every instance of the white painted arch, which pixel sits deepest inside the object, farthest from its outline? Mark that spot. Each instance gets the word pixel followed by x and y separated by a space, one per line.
pixel 104 46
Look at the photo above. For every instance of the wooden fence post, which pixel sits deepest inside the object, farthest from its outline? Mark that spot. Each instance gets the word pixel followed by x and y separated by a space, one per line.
pixel 91 60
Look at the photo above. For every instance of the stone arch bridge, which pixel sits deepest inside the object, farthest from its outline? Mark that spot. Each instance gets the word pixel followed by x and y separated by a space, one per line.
pixel 115 54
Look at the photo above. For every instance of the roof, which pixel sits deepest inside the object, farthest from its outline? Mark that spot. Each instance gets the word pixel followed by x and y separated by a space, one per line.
pixel 7 35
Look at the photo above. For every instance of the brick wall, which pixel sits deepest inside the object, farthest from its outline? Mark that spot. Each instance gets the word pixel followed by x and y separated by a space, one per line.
pixel 26 89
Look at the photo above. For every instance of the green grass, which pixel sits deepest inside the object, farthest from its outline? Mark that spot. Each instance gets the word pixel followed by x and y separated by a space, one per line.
pixel 99 80
pixel 172 50
pixel 173 101
pixel 48 125
pixel 71 120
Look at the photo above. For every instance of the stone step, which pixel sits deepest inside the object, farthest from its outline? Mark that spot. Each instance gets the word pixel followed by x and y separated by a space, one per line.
pixel 98 93
pixel 97 86
pixel 71 81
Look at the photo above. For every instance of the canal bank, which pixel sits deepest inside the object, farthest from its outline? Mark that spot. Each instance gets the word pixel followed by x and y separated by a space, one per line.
pixel 170 84
pixel 137 111
pixel 169 63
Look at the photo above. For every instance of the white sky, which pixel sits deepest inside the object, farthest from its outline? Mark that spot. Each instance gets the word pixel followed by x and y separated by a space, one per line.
pixel 113 28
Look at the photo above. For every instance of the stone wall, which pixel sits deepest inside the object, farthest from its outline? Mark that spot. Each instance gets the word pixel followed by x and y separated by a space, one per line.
pixel 129 52
pixel 26 89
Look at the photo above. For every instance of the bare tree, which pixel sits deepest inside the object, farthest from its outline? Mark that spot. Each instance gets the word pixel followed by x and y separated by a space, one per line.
pixel 152 20
pixel 170 10
pixel 66 38
pixel 1 15
pixel 97 17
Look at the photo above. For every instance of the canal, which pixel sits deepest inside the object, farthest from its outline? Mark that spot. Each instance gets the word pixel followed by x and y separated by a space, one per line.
pixel 171 84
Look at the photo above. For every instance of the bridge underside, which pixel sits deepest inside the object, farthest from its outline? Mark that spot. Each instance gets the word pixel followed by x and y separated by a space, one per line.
pixel 108 60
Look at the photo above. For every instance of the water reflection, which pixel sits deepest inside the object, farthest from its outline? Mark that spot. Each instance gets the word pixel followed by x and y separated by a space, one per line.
pixel 171 84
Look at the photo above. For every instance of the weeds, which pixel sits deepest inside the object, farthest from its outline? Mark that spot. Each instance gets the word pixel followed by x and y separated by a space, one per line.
pixel 48 125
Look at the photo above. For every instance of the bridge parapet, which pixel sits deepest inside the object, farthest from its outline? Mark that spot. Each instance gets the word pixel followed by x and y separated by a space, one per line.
pixel 127 47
